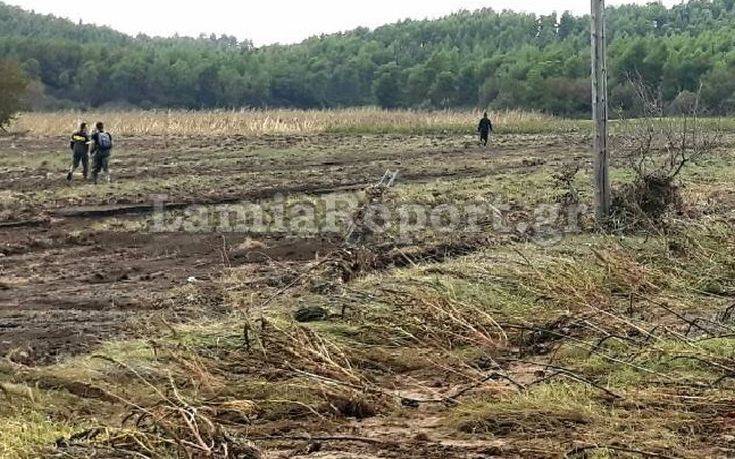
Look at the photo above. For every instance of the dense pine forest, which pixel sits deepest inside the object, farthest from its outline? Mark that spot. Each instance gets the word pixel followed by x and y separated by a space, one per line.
pixel 483 58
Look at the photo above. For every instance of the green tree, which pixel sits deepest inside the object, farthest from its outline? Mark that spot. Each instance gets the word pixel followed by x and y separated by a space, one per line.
pixel 718 90
pixel 566 25
pixel 418 82
pixel 443 90
pixel 13 86
pixel 468 59
pixel 387 87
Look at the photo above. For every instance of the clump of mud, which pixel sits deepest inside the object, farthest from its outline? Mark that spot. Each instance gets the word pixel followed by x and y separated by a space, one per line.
pixel 354 407
pixel 311 314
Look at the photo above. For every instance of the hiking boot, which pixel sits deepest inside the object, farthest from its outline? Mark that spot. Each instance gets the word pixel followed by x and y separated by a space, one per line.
pixel 69 176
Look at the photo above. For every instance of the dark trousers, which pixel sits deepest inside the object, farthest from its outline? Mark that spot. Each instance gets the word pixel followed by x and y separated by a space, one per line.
pixel 81 157
pixel 484 136
pixel 101 163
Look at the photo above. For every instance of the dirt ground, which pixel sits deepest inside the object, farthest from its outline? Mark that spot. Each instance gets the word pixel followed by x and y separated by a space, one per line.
pixel 409 358
pixel 72 275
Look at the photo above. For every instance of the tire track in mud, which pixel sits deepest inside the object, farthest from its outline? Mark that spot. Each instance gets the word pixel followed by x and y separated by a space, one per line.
pixel 106 211
pixel 80 294
pixel 193 164
pixel 66 297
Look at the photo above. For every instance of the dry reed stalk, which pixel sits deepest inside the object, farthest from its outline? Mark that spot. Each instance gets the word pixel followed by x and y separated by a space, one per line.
pixel 253 123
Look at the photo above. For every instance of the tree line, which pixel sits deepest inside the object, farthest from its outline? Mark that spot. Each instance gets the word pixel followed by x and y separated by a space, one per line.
pixel 469 59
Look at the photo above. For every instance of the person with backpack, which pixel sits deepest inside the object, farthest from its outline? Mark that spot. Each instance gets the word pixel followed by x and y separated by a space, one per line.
pixel 485 128
pixel 80 142
pixel 102 148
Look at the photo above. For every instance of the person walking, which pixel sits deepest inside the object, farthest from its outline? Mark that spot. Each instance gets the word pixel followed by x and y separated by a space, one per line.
pixel 101 150
pixel 80 142
pixel 485 128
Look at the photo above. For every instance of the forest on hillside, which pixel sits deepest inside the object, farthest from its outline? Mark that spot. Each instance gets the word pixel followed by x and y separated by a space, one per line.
pixel 469 59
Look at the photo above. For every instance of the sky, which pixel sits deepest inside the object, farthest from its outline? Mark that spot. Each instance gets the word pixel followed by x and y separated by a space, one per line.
pixel 277 21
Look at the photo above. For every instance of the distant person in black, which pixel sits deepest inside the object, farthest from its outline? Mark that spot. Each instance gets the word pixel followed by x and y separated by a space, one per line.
pixel 485 128
pixel 102 148
pixel 80 147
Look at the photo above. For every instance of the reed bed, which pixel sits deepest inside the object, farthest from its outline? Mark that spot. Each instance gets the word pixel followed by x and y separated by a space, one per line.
pixel 293 122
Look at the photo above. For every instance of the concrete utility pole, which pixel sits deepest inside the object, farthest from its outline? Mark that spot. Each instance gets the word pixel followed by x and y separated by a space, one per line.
pixel 599 109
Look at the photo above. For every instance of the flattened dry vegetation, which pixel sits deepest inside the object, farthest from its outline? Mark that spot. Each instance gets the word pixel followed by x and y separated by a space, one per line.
pixel 444 344
pixel 598 345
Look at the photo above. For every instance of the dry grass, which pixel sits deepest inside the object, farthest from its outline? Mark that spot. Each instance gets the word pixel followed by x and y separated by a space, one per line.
pixel 535 346
pixel 253 123
pixel 280 122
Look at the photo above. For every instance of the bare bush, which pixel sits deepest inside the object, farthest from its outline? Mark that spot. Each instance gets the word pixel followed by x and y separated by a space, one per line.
pixel 658 146
pixel 661 142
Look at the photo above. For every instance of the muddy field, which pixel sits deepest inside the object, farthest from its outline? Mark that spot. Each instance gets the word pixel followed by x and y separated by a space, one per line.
pixel 74 274
pixel 347 343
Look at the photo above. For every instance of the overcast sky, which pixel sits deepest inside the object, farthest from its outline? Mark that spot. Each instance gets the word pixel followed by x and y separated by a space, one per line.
pixel 276 21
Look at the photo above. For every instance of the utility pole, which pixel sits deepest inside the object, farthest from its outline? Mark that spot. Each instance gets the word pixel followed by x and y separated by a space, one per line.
pixel 600 110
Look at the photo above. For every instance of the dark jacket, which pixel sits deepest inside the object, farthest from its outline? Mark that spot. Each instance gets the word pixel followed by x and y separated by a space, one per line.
pixel 96 139
pixel 485 125
pixel 79 142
